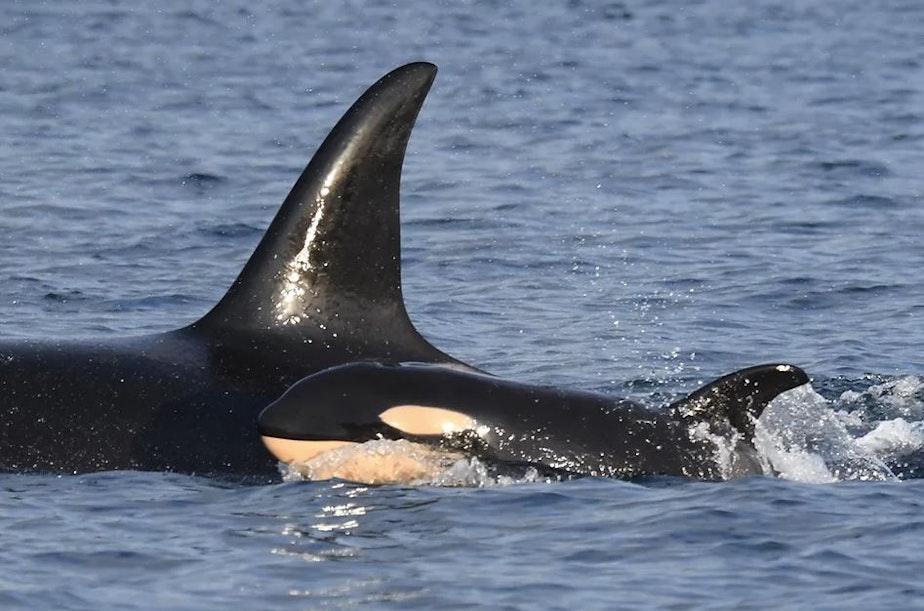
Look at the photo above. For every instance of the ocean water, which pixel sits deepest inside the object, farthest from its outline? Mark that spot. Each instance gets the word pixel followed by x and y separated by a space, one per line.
pixel 624 197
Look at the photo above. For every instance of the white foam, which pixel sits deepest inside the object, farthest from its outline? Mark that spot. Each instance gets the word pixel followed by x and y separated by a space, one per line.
pixel 801 438
pixel 894 438
pixel 849 419
pixel 797 465
pixel 902 397
pixel 903 388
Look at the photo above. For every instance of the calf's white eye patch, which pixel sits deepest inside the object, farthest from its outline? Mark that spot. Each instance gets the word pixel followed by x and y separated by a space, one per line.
pixel 426 420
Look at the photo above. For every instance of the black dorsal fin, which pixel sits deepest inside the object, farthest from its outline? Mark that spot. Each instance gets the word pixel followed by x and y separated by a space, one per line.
pixel 740 398
pixel 330 262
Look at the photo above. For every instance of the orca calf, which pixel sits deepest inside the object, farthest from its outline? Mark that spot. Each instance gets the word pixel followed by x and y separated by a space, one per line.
pixel 323 288
pixel 706 435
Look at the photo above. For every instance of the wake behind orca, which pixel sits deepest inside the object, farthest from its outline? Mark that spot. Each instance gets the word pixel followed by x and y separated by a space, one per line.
pixel 320 299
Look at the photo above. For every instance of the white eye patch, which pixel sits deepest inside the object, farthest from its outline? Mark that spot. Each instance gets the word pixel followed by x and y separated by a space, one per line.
pixel 426 420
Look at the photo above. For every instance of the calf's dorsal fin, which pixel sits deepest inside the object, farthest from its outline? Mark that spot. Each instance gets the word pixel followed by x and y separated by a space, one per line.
pixel 740 397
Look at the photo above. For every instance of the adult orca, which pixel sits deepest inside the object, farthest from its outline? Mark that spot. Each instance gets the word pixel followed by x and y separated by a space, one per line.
pixel 706 435
pixel 323 288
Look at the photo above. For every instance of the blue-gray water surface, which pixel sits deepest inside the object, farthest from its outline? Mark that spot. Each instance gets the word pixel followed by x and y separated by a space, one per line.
pixel 624 197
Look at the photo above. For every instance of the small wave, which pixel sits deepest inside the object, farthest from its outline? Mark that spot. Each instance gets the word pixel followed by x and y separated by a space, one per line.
pixel 873 202
pixel 201 182
pixel 65 296
pixel 852 167
pixel 901 397
pixel 199 178
pixel 229 230
pixel 147 302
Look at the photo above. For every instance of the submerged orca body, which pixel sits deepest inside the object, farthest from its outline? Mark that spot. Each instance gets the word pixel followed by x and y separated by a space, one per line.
pixel 323 288
pixel 554 429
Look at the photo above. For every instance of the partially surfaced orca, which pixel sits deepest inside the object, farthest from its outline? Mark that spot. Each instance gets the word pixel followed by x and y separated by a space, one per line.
pixel 322 295
pixel 706 435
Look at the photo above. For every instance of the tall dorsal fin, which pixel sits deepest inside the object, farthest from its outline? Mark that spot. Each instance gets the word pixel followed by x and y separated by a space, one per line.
pixel 330 262
pixel 739 398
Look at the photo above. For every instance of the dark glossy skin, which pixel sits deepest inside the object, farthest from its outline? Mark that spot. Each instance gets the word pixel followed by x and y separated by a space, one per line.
pixel 573 431
pixel 323 288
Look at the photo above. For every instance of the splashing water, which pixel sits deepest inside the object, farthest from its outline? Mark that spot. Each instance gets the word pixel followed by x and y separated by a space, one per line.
pixel 800 437
pixel 894 438
pixel 901 397
pixel 385 461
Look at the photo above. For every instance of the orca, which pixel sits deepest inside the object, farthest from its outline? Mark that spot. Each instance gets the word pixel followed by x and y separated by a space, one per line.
pixel 706 435
pixel 322 288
